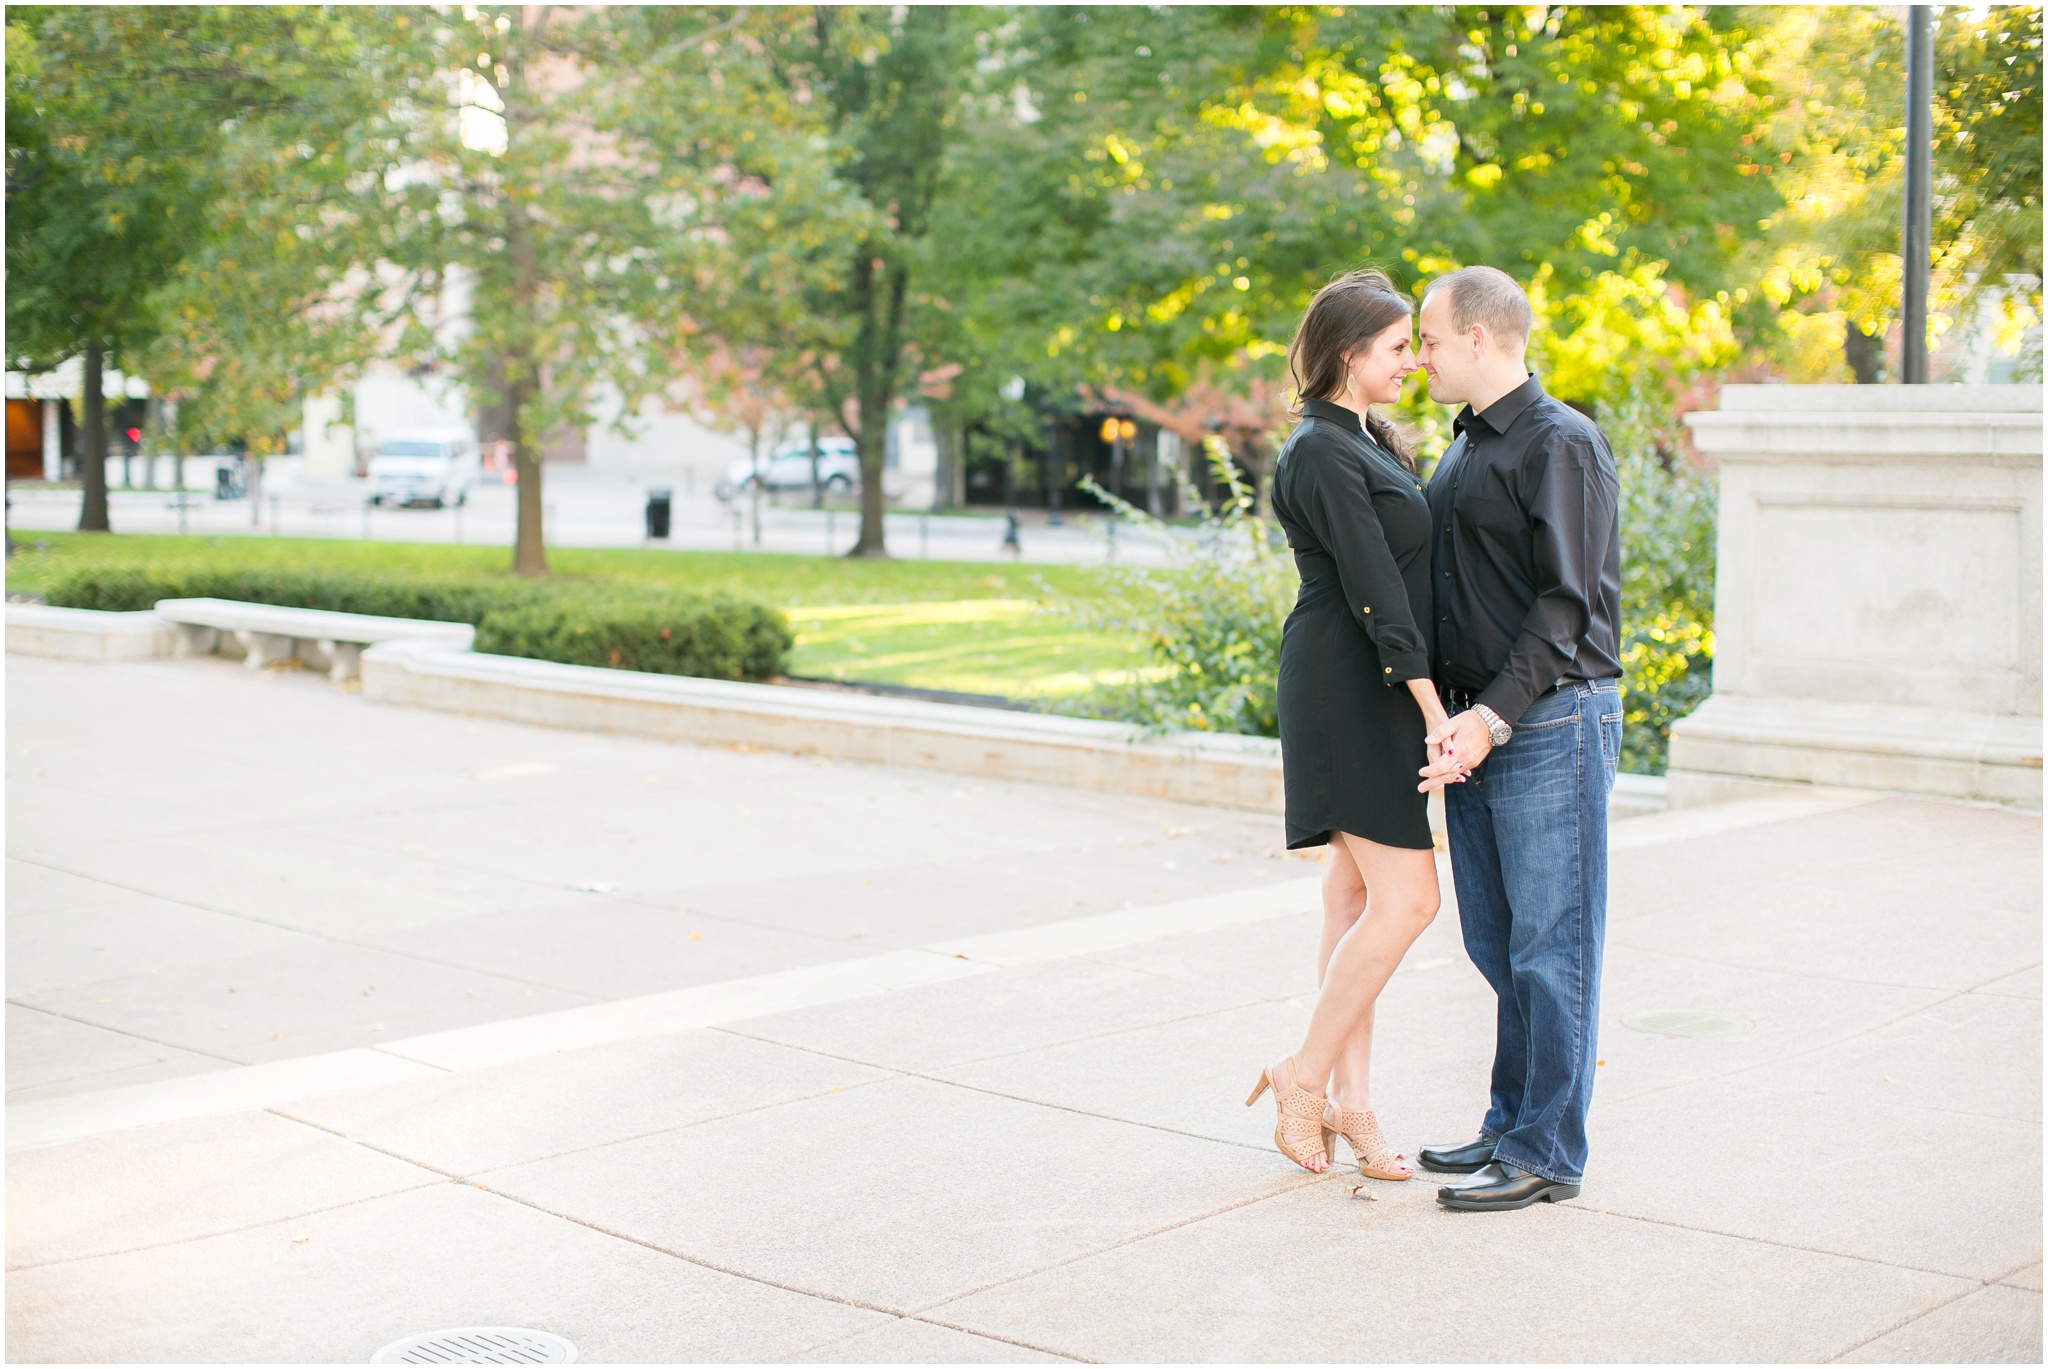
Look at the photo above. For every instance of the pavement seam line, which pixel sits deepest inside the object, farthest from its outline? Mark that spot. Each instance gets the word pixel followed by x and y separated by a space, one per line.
pixel 321 937
pixel 618 1141
pixel 449 1176
pixel 1765 969
pixel 978 1335
pixel 1909 1321
pixel 118 1031
pixel 1294 1184
pixel 998 1093
pixel 1765 1240
pixel 1031 945
pixel 1804 1051
pixel 230 1231
pixel 699 1261
pixel 1004 1340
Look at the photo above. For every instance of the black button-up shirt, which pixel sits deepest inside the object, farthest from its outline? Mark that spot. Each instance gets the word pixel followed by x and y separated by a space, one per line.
pixel 1525 542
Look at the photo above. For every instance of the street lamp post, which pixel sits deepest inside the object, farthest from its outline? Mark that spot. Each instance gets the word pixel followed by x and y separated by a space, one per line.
pixel 1916 238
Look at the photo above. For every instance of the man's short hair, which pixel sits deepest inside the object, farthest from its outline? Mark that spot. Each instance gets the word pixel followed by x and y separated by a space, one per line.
pixel 1489 296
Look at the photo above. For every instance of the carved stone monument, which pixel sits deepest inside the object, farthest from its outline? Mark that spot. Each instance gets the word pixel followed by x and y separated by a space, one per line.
pixel 1877 606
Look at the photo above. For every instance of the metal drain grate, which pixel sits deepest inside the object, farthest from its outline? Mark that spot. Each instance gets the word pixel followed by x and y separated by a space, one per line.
pixel 479 1345
pixel 1686 1022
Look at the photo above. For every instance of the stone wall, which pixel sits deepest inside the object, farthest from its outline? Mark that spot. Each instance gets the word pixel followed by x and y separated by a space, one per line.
pixel 1878 600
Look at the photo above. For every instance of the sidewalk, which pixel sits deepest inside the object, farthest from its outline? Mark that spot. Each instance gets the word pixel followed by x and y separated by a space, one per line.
pixel 1027 1144
pixel 590 508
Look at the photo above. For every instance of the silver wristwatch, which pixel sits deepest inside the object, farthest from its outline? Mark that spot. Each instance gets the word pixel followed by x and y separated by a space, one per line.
pixel 1495 728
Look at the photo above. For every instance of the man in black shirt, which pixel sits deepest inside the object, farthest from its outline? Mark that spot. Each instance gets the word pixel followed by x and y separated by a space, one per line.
pixel 1526 568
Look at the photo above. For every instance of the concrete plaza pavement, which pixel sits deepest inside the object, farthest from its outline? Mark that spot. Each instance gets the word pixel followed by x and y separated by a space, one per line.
pixel 216 875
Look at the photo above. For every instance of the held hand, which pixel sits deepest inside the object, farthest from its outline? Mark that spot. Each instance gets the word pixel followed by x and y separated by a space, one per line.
pixel 1462 743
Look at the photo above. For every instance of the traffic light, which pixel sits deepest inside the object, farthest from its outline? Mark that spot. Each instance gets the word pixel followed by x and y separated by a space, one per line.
pixel 135 435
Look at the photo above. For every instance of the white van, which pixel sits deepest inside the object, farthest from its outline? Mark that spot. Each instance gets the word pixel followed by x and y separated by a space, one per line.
pixel 434 466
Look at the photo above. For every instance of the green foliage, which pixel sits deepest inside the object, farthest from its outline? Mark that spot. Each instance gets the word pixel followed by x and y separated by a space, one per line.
pixel 1191 175
pixel 448 599
pixel 720 639
pixel 623 627
pixel 1667 576
pixel 1212 620
pixel 1829 258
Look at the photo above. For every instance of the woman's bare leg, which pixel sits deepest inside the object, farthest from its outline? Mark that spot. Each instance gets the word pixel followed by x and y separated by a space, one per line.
pixel 1401 900
pixel 1345 899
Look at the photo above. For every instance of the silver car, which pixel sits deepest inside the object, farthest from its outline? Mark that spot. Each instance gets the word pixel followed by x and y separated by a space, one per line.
pixel 790 469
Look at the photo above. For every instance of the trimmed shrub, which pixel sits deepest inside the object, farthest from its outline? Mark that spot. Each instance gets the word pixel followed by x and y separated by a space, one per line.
pixel 716 638
pixel 625 627
pixel 448 599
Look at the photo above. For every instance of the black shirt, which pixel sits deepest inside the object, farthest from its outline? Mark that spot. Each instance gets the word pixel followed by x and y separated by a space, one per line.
pixel 1525 539
pixel 1356 519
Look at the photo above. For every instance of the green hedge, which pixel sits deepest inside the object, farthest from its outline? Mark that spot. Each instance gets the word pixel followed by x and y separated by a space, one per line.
pixel 723 639
pixel 448 599
pixel 623 627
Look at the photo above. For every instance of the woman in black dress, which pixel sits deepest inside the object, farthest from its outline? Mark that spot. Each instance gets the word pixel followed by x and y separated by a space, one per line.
pixel 1355 702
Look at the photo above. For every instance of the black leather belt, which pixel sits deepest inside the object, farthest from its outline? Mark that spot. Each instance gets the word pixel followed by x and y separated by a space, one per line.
pixel 1458 700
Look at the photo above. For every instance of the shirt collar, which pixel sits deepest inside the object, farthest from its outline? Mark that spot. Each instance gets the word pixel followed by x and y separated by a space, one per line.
pixel 1334 413
pixel 1502 413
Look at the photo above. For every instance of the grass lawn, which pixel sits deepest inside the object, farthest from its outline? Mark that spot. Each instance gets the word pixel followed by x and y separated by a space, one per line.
pixel 971 626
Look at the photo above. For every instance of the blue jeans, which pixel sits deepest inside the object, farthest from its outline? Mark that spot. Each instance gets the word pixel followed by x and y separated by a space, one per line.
pixel 1528 836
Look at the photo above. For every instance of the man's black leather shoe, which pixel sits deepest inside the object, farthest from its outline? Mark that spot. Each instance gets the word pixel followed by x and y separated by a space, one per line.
pixel 1469 1158
pixel 1500 1187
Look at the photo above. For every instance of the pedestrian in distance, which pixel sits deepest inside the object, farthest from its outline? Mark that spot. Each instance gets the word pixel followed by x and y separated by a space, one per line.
pixel 1526 548
pixel 1356 703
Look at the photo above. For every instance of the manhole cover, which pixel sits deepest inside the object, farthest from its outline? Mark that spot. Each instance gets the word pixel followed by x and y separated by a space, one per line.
pixel 479 1345
pixel 1686 1022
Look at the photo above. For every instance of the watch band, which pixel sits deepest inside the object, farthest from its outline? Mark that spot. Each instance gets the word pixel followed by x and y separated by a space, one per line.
pixel 1498 730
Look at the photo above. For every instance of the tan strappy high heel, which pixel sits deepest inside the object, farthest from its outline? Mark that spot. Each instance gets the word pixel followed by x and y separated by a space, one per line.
pixel 1361 1131
pixel 1298 1130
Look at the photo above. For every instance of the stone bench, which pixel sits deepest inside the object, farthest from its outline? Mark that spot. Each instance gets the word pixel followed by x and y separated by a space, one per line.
pixel 271 632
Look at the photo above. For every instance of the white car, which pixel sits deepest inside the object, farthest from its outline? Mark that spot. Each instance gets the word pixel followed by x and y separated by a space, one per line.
pixel 790 469
pixel 434 466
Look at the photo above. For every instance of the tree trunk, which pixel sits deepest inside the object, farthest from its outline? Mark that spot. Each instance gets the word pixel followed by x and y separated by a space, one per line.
pixel 92 453
pixel 877 355
pixel 521 366
pixel 529 547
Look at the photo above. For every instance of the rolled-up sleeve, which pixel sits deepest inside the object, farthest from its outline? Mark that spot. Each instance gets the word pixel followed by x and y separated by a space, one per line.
pixel 1571 520
pixel 1338 507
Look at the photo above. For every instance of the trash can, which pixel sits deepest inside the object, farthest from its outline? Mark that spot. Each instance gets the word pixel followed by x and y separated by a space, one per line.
pixel 657 515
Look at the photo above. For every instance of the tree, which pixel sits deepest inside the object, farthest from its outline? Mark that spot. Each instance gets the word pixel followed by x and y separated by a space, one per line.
pixel 1168 187
pixel 106 190
pixel 876 92
pixel 477 199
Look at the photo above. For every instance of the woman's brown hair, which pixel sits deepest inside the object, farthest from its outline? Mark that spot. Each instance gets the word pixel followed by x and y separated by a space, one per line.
pixel 1344 317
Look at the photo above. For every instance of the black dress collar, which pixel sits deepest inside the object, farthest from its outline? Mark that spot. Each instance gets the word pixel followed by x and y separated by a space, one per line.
pixel 1332 413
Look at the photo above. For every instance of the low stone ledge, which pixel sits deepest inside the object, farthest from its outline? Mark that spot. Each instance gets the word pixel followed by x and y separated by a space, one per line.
pixel 84 634
pixel 1734 746
pixel 1223 770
